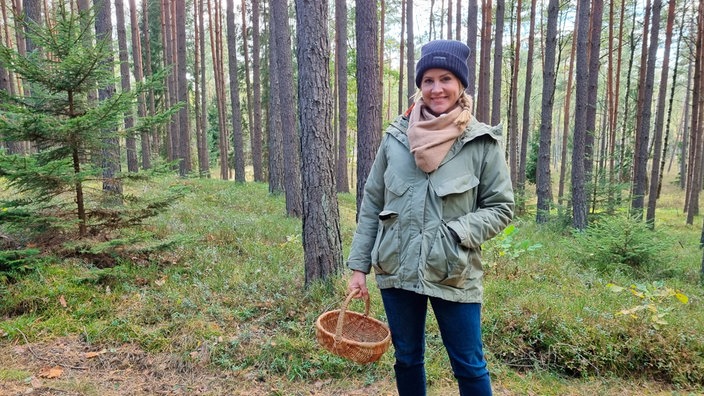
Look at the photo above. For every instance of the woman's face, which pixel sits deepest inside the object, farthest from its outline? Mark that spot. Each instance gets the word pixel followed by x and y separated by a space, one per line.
pixel 441 90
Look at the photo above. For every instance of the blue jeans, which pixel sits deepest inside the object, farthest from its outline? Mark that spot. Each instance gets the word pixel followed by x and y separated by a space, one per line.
pixel 460 328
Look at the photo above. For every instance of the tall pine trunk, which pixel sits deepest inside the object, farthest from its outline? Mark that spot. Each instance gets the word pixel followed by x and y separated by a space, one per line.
pixel 322 241
pixel 641 154
pixel 130 141
pixel 291 142
pixel 369 89
pixel 275 135
pixel 341 83
pixel 256 129
pixel 237 134
pixel 542 177
pixel 660 119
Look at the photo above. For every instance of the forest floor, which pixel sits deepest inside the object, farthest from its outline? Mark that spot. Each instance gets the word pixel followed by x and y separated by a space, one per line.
pixel 67 366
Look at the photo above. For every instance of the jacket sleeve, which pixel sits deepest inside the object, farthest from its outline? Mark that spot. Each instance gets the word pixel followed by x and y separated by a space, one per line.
pixel 495 202
pixel 368 219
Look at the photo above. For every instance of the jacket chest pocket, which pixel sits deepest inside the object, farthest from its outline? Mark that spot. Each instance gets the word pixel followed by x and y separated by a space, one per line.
pixel 458 195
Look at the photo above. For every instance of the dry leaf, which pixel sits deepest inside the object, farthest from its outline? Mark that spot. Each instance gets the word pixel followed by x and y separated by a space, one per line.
pixel 62 301
pixel 91 355
pixel 160 281
pixel 51 372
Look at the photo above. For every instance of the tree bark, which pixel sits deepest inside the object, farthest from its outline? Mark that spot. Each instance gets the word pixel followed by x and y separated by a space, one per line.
pixel 566 122
pixel 472 10
pixel 343 184
pixel 138 78
pixel 130 141
pixel 697 131
pixel 410 54
pixel 579 198
pixel 498 63
pixel 322 242
pixel 513 103
pixel 275 135
pixel 369 89
pixel 597 12
pixel 483 97
pixel 402 44
pixel 640 159
pixel 292 143
pixel 660 119
pixel 257 163
pixel 542 183
pixel 525 132
pixel 237 134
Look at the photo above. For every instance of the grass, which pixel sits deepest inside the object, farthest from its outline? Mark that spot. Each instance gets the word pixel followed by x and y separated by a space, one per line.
pixel 228 294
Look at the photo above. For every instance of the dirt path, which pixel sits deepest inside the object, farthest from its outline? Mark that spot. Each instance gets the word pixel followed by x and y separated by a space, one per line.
pixel 67 366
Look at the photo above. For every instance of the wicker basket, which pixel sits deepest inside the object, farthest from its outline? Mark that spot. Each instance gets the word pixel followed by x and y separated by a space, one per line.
pixel 352 335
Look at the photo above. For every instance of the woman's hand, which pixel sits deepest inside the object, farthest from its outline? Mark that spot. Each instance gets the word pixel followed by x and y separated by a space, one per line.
pixel 358 281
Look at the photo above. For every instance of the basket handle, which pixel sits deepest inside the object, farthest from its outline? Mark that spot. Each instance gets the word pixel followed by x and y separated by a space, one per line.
pixel 343 309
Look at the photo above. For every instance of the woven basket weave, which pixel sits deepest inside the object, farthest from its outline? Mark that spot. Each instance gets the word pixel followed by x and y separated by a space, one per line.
pixel 353 335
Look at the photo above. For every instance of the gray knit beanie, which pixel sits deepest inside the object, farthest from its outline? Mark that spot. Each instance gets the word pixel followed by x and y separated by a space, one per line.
pixel 444 54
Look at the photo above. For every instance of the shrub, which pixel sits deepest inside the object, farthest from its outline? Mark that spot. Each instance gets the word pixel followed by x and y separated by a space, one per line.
pixel 620 243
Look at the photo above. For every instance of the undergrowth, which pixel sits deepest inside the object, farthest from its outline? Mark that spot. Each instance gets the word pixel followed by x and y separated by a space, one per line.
pixel 228 293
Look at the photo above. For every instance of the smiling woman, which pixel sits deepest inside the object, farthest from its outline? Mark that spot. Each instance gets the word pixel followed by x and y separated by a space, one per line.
pixel 429 203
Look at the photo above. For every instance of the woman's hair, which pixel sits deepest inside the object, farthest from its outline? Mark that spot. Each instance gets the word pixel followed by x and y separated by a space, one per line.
pixel 465 101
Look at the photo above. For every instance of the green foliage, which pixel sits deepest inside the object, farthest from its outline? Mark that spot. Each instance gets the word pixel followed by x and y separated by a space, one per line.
pixel 16 262
pixel 506 247
pixel 56 188
pixel 652 297
pixel 620 242
pixel 228 294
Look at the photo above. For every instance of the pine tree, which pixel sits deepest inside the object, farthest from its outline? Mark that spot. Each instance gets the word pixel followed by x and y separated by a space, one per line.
pixel 67 129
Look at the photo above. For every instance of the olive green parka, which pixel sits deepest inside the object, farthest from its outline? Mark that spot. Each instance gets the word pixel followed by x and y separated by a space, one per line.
pixel 404 223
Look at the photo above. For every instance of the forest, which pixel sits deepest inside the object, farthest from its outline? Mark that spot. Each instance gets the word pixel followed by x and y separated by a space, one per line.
pixel 171 169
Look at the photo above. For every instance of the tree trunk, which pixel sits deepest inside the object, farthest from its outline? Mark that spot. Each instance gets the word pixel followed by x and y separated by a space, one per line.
pixel 111 152
pixel 697 131
pixel 542 183
pixel 472 10
pixel 322 242
pixel 130 141
pixel 513 103
pixel 566 121
pixel 685 132
pixel 483 98
pixel 247 80
pixel 214 16
pixel 640 159
pixel 237 134
pixel 449 19
pixel 597 12
pixel 402 44
pixel 579 198
pixel 498 63
pixel 256 131
pixel 154 138
pixel 185 166
pixel 369 89
pixel 410 54
pixel 200 91
pixel 343 184
pixel 138 78
pixel 292 143
pixel 660 119
pixel 170 94
pixel 275 135
pixel 458 21
pixel 525 132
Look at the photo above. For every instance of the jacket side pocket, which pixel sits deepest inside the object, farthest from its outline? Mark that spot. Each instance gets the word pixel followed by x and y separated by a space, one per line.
pixel 385 253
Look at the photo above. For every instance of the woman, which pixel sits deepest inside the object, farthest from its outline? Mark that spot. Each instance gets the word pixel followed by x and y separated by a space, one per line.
pixel 439 188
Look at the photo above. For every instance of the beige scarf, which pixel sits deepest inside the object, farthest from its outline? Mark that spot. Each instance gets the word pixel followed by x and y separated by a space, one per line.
pixel 431 137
